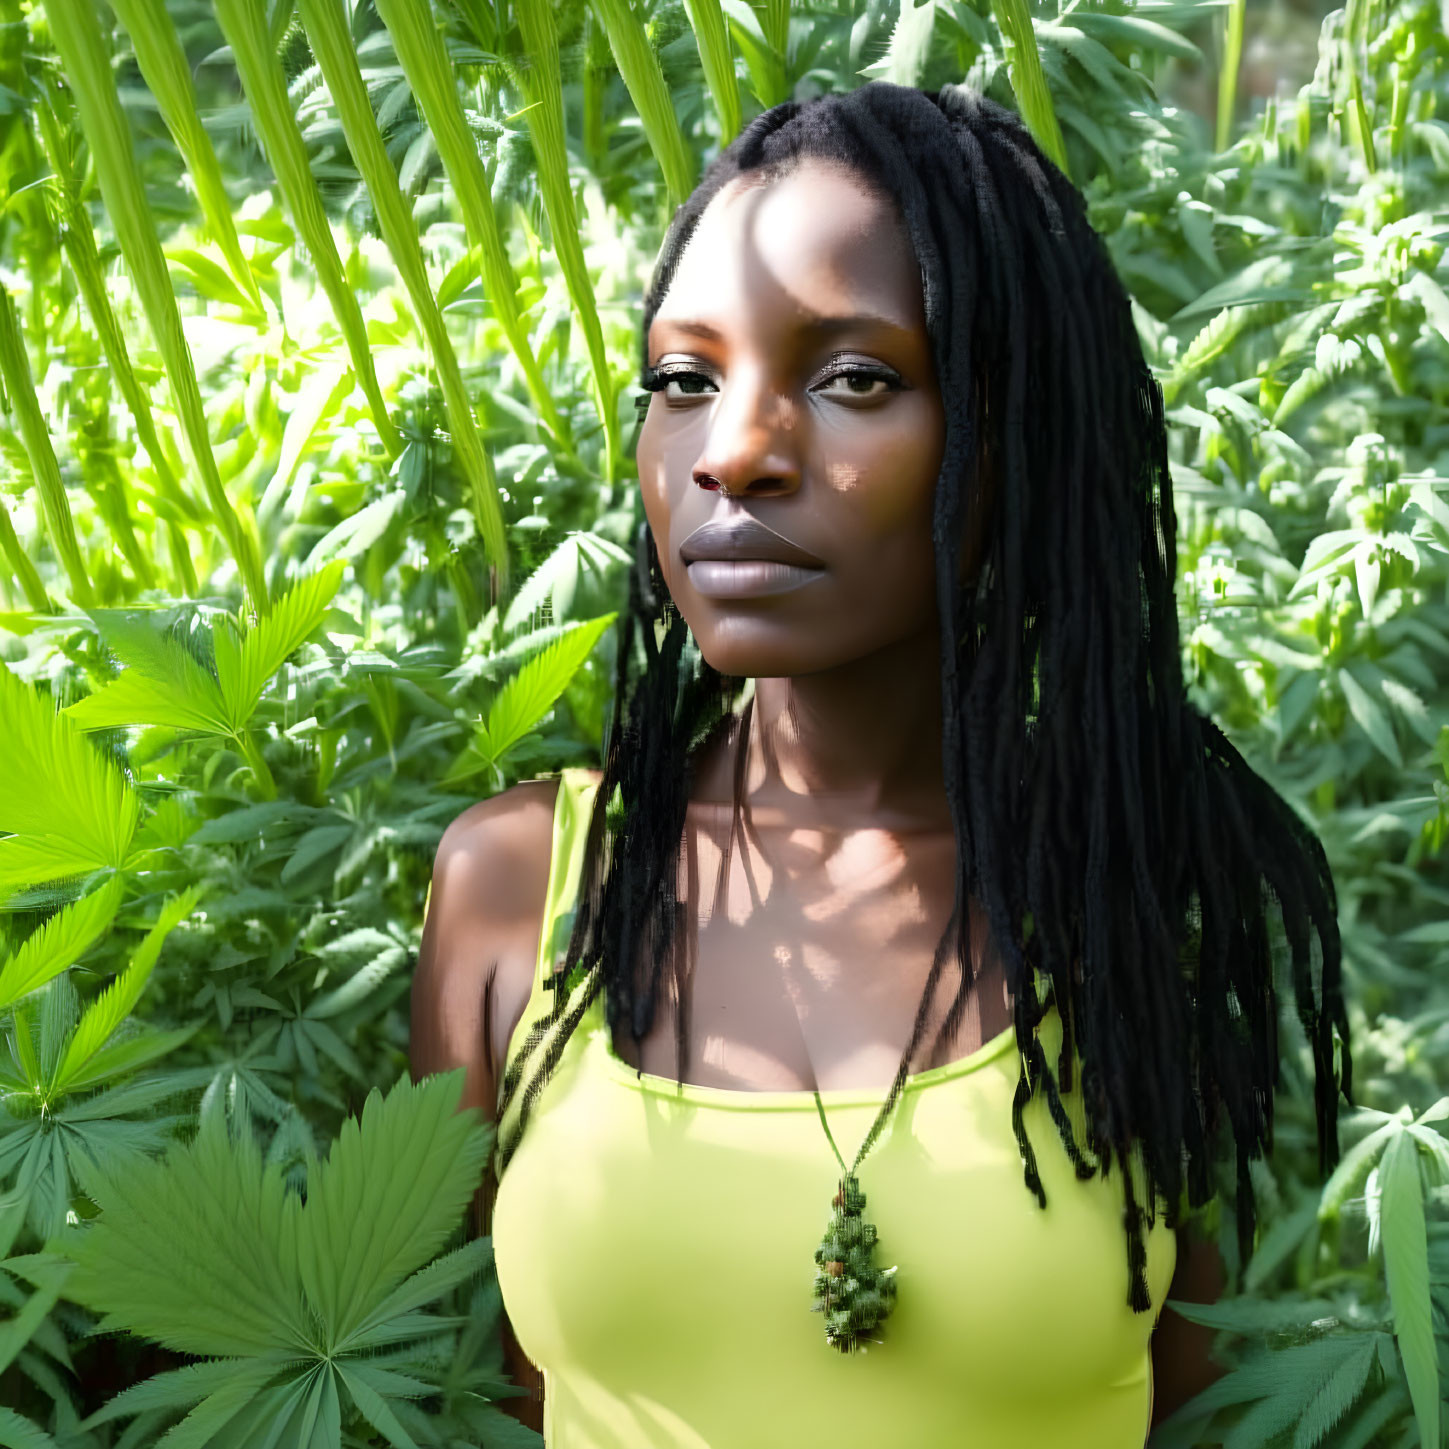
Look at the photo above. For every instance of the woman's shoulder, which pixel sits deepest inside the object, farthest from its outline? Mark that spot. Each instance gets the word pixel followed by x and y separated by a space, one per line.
pixel 495 847
pixel 485 917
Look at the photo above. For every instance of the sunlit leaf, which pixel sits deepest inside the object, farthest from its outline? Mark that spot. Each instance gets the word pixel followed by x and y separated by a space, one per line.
pixel 161 683
pixel 244 667
pixel 259 68
pixel 116 1001
pixel 59 943
pixel 529 695
pixel 69 804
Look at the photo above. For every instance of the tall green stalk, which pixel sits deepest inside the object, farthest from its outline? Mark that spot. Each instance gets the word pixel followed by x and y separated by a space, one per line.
pixel 712 37
pixel 541 82
pixel 21 566
pixel 336 54
pixel 1028 80
pixel 598 68
pixel 167 72
pixel 424 59
pixel 79 244
pixel 1360 123
pixel 639 67
pixel 245 26
pixel 44 470
pixel 1228 76
pixel 76 33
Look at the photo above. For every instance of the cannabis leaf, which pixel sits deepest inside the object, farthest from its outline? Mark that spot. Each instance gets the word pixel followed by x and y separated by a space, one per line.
pixel 207 1253
pixel 67 808
pixel 527 697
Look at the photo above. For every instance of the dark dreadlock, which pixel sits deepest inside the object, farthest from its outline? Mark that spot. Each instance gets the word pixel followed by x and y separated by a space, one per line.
pixel 1121 845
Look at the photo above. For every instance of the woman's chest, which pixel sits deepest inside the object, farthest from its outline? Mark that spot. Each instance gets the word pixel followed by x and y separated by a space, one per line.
pixel 637 1234
pixel 806 966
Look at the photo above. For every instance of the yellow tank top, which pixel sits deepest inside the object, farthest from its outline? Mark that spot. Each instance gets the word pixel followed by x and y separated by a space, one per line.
pixel 654 1248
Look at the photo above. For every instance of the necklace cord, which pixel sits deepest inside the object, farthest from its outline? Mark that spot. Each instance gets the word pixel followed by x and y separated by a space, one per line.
pixel 820 1107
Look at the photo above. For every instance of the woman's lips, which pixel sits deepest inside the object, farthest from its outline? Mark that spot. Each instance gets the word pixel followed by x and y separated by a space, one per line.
pixel 747 578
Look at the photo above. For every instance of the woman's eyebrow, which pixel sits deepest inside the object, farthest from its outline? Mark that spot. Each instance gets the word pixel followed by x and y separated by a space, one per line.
pixel 823 326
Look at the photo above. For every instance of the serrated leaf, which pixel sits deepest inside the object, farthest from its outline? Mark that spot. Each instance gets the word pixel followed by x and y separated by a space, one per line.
pixel 350 1261
pixel 135 1096
pixel 430 1283
pixel 244 666
pixel 373 1407
pixel 207 1252
pixel 127 1056
pixel 1291 1372
pixel 359 986
pixel 59 943
pixel 115 1003
pixel 502 1431
pixel 227 1292
pixel 528 696
pixel 161 682
pixel 70 806
pixel 1328 1406
pixel 219 1408
pixel 175 1389
pixel 555 581
pixel 18 1433
pixel 1406 1267
pixel 1380 1412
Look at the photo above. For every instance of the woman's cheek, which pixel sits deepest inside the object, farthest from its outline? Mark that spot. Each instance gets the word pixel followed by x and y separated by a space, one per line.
pixel 658 506
pixel 890 489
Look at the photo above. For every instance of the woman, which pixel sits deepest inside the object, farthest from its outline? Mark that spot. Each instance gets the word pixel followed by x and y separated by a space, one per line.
pixel 899 688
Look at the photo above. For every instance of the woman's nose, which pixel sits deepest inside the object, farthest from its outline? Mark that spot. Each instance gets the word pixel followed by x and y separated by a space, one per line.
pixel 751 443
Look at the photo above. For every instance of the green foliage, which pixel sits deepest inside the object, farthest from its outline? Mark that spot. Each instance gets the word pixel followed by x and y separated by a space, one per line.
pixel 163 684
pixel 67 809
pixel 262 638
pixel 206 1251
pixel 528 696
pixel 59 943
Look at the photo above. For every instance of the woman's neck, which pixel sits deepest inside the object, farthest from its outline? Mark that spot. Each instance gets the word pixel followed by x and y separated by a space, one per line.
pixel 851 747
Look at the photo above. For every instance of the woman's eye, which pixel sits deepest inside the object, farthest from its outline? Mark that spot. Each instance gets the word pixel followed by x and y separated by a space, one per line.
pixel 868 376
pixel 683 377
pixel 860 381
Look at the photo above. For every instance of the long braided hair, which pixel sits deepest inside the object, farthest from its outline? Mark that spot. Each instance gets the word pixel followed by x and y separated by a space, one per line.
pixel 1123 850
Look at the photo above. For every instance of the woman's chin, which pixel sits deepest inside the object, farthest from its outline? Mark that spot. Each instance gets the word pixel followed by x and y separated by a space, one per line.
pixel 752 649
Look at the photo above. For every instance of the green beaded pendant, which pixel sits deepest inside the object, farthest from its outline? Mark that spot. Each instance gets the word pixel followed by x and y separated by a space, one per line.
pixel 854 1295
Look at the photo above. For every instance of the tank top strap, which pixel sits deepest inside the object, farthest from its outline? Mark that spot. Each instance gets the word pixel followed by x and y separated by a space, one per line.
pixel 573 806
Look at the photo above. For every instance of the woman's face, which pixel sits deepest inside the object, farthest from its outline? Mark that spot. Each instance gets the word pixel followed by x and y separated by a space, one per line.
pixel 800 377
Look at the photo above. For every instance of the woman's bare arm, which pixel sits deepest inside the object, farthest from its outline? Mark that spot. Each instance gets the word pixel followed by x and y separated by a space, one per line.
pixel 475 966
pixel 1181 1363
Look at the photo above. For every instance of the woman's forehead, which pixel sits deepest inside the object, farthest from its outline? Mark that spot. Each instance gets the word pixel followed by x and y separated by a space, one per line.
pixel 815 243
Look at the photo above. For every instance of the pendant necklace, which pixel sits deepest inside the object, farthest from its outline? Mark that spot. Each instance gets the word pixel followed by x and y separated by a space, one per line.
pixel 855 1295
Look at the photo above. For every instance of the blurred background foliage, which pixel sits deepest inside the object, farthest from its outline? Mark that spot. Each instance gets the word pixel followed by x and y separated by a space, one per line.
pixel 317 335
